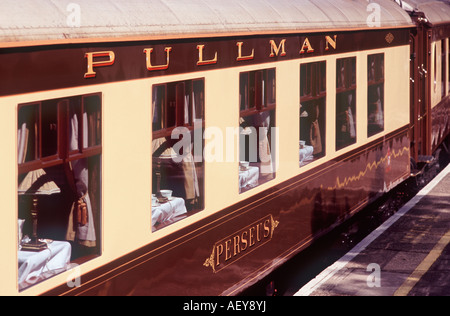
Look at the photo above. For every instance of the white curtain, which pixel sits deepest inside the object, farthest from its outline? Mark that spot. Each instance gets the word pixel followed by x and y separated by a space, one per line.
pixel 379 116
pixel 262 120
pixel 22 143
pixel 350 117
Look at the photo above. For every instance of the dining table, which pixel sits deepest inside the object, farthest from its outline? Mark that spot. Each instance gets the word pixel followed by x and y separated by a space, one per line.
pixel 37 266
pixel 306 155
pixel 248 178
pixel 168 212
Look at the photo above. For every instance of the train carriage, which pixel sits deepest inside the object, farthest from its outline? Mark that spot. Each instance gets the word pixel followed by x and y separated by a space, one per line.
pixel 154 148
pixel 429 76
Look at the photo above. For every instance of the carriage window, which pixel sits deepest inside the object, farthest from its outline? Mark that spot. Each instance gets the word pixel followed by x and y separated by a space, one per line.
pixel 257 90
pixel 312 111
pixel 345 102
pixel 375 78
pixel 59 202
pixel 177 146
pixel 435 67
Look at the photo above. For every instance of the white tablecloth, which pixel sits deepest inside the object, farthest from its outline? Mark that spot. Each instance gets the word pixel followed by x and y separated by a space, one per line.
pixel 306 155
pixel 168 211
pixel 37 266
pixel 249 178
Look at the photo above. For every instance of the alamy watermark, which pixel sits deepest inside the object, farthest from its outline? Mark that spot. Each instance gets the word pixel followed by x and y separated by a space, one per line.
pixel 221 146
pixel 374 279
pixel 74 278
pixel 74 15
pixel 374 18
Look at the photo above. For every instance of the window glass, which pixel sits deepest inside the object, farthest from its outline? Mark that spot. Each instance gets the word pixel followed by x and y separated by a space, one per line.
pixel 257 128
pixel 59 193
pixel 312 112
pixel 49 117
pixel 375 79
pixel 92 107
pixel 177 146
pixel 28 125
pixel 345 102
pixel 435 67
pixel 85 123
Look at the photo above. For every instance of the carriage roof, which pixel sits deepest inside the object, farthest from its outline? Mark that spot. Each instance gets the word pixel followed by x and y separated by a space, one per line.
pixel 436 11
pixel 54 21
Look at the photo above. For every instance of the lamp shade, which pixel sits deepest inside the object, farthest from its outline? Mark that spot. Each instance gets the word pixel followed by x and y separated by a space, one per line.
pixel 37 182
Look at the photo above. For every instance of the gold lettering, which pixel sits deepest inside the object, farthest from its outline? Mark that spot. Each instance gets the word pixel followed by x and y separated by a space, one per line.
pixel 258 237
pixel 148 52
pixel 267 228
pixel 242 58
pixel 219 252
pixel 228 250
pixel 251 237
pixel 275 50
pixel 91 64
pixel 306 47
pixel 237 249
pixel 331 42
pixel 202 62
pixel 244 241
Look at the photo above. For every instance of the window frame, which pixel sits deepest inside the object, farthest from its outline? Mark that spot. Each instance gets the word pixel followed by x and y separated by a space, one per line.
pixel 266 103
pixel 166 130
pixel 314 75
pixel 346 86
pixel 62 154
pixel 350 81
pixel 262 100
pixel 163 130
pixel 59 165
pixel 378 81
pixel 318 88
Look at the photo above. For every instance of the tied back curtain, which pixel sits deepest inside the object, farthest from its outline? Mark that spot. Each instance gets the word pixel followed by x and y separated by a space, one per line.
pixel 83 233
pixel 376 115
pixel 262 122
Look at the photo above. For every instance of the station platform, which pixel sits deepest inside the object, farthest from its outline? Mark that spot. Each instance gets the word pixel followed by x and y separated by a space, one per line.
pixel 408 255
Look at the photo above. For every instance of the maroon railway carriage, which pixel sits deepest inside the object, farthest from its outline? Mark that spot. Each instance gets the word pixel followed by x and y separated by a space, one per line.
pixel 168 149
pixel 430 78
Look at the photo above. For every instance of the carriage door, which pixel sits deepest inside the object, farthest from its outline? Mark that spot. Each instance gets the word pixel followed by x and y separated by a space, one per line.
pixel 414 79
pixel 419 94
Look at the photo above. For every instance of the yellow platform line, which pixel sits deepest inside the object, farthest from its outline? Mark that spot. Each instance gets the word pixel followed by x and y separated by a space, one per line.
pixel 423 267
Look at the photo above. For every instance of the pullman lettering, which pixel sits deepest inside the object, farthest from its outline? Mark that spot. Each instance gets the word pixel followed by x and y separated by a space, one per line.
pixel 241 243
pixel 148 55
pixel 91 64
pixel 207 56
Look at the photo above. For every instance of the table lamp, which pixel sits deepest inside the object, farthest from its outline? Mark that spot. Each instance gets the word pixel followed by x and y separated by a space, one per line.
pixel 36 183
